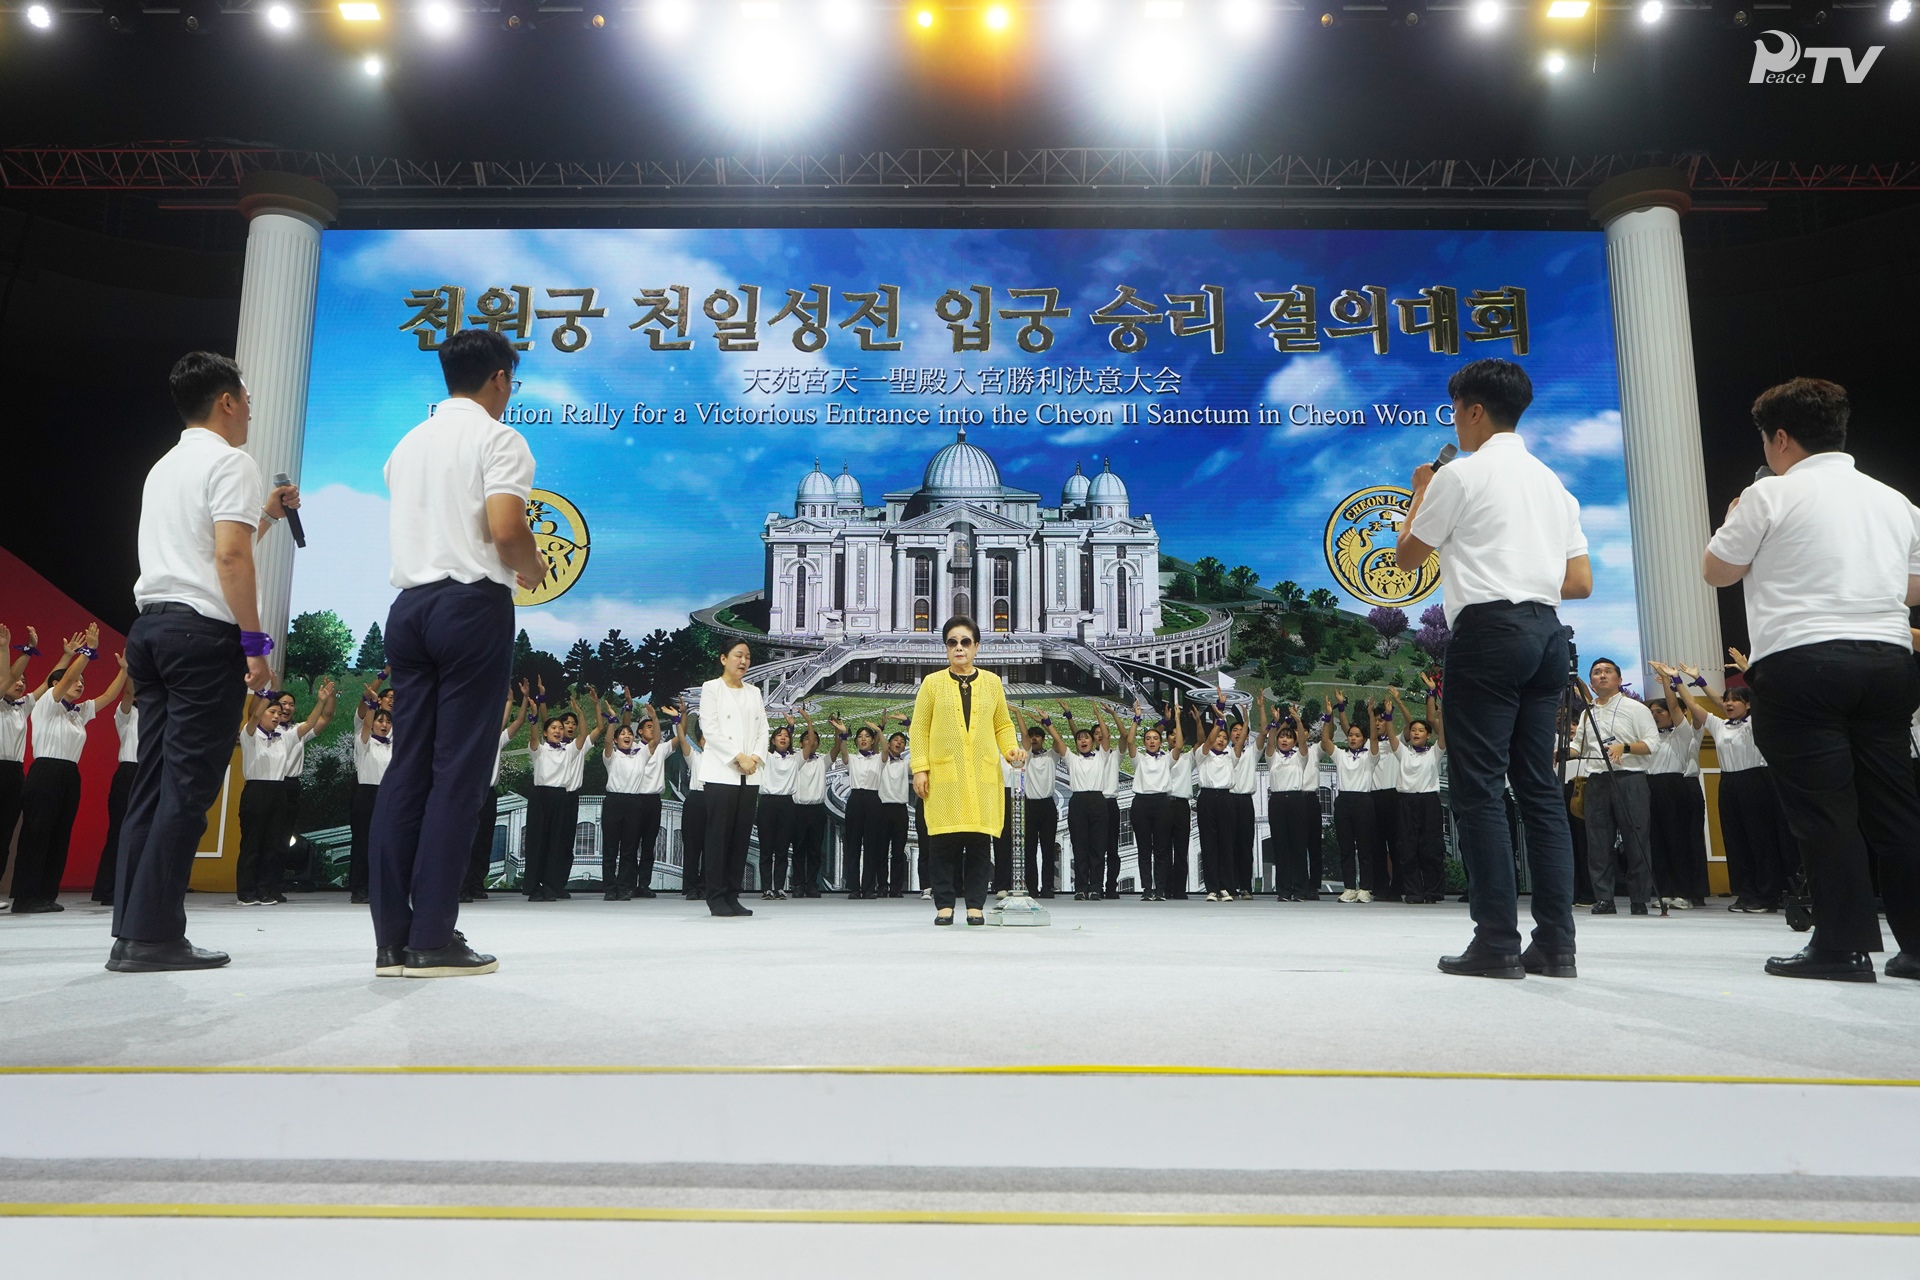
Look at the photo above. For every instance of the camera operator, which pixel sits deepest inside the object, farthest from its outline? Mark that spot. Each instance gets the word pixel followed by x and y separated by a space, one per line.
pixel 1615 737
pixel 1508 535
pixel 1831 563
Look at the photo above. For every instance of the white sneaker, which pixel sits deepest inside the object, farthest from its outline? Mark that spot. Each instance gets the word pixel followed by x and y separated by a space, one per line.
pixel 1365 895
pixel 1679 904
pixel 926 895
pixel 1004 894
pixel 1351 895
pixel 1213 897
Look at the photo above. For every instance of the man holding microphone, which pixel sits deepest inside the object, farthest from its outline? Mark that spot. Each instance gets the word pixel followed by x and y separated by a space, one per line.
pixel 1508 535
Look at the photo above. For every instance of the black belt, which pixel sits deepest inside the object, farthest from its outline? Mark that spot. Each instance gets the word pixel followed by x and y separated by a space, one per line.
pixel 170 606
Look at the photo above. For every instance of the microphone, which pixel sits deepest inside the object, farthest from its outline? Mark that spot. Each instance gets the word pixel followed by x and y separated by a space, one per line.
pixel 1763 473
pixel 293 517
pixel 1448 452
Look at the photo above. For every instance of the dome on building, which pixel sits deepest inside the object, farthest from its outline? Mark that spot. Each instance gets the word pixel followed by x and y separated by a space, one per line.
pixel 815 486
pixel 961 470
pixel 846 490
pixel 1074 493
pixel 1107 495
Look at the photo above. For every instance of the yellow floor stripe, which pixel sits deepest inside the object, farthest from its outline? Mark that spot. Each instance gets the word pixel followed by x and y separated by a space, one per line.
pixel 1055 1069
pixel 872 1217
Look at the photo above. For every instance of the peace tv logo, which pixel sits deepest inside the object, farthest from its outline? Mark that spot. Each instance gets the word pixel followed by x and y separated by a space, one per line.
pixel 560 532
pixel 1779 66
pixel 1359 547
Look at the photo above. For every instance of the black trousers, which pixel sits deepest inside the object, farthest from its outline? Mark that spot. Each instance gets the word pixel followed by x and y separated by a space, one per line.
pixel 1003 847
pixel 809 832
pixel 1506 667
pixel 191 679
pixel 480 860
pixel 884 868
pixel 1387 873
pixel 449 653
pixel 863 813
pixel 1576 840
pixel 693 844
pixel 49 802
pixel 1832 721
pixel 1294 817
pixel 730 810
pixel 1178 821
pixel 13 776
pixel 1244 826
pixel 776 819
pixel 1619 803
pixel 1353 826
pixel 553 820
pixel 629 824
pixel 117 794
pixel 959 862
pixel 1422 854
pixel 1043 837
pixel 360 824
pixel 1216 838
pixel 266 823
pixel 1113 844
pixel 1753 829
pixel 1149 839
pixel 1679 835
pixel 1087 833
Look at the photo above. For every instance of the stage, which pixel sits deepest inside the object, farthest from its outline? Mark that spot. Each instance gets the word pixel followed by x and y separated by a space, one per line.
pixel 705 1089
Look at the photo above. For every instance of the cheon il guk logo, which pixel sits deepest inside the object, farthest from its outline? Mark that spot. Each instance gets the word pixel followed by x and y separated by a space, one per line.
pixel 1777 66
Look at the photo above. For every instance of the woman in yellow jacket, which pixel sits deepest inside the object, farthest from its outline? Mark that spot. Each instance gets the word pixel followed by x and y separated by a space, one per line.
pixel 961 731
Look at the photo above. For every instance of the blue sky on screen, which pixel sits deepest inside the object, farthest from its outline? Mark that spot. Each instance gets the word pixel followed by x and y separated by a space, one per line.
pixel 675 510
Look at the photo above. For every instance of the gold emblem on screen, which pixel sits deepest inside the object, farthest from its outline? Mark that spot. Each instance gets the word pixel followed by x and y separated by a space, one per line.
pixel 1359 546
pixel 560 531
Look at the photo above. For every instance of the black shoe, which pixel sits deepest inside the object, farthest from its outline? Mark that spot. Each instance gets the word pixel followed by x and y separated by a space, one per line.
pixel 1044 893
pixel 813 893
pixel 1902 965
pixel 1834 966
pixel 278 897
pixel 943 919
pixel 357 899
pixel 1698 902
pixel 1476 963
pixel 1578 902
pixel 389 962
pixel 609 897
pixel 1638 908
pixel 1606 908
pixel 478 895
pixel 1748 906
pixel 1179 897
pixel 129 956
pixel 975 918
pixel 465 898
pixel 34 908
pixel 455 960
pixel 645 893
pixel 1548 964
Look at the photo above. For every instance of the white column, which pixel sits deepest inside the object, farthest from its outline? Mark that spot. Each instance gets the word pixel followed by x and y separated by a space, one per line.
pixel 274 348
pixel 1660 417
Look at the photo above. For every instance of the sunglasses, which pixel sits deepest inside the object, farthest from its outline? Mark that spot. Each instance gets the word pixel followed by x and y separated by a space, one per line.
pixel 960 642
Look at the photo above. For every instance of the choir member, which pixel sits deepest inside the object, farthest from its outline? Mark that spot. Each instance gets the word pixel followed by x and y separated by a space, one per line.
pixel 776 816
pixel 1246 781
pixel 1152 769
pixel 1112 743
pixel 1760 853
pixel 372 754
pixel 809 814
pixel 1002 881
pixel 1679 805
pixel 1213 774
pixel 1353 809
pixel 886 858
pixel 264 739
pixel 1388 882
pixel 1177 818
pixel 1087 809
pixel 15 705
pixel 50 796
pixel 1421 854
pixel 861 834
pixel 1042 814
pixel 630 814
pixel 733 714
pixel 693 811
pixel 553 811
pixel 126 724
pixel 1293 804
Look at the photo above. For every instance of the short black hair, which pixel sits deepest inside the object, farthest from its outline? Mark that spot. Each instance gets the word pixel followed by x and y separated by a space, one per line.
pixel 198 379
pixel 1744 692
pixel 731 645
pixel 1610 662
pixel 960 620
pixel 471 357
pixel 1501 387
pixel 1811 410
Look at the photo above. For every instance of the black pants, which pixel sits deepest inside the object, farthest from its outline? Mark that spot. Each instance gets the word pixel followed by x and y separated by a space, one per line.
pixel 1113 844
pixel 776 819
pixel 863 812
pixel 480 860
pixel 1754 832
pixel 693 844
pixel 1244 827
pixel 117 794
pixel 1832 720
pixel 809 831
pixel 266 824
pixel 1576 840
pixel 13 776
pixel 360 824
pixel 1294 818
pixel 450 653
pixel 1353 827
pixel 49 802
pixel 1216 838
pixel 1003 847
pixel 1087 833
pixel 1679 835
pixel 959 862
pixel 1178 820
pixel 730 810
pixel 1620 804
pixel 629 824
pixel 1149 838
pixel 553 814
pixel 884 869
pixel 191 679
pixel 1387 872
pixel 1506 667
pixel 1422 854
pixel 1043 837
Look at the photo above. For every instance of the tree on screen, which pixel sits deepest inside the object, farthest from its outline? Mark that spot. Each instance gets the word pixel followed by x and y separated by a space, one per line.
pixel 373 651
pixel 1211 574
pixel 318 644
pixel 1243 580
pixel 1321 598
pixel 1290 595
pixel 1391 623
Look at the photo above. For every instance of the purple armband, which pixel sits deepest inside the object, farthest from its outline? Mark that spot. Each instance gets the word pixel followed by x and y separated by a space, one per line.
pixel 27 649
pixel 256 644
pixel 90 653
pixel 1699 682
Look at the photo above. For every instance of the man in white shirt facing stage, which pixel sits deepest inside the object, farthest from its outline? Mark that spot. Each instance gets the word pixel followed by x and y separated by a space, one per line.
pixel 459 483
pixel 192 654
pixel 1615 737
pixel 1830 560
pixel 1510 545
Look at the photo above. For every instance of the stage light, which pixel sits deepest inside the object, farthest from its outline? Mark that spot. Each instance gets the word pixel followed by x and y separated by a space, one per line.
pixel 359 11
pixel 1082 17
pixel 1164 10
pixel 437 17
pixel 1568 8
pixel 1898 10
pixel 596 22
pixel 840 16
pixel 1651 11
pixel 1486 14
pixel 372 66
pixel 760 10
pixel 671 18
pixel 924 18
pixel 38 15
pixel 123 16
pixel 1241 16
pixel 1555 63
pixel 198 16
pixel 519 16
pixel 997 17
pixel 279 17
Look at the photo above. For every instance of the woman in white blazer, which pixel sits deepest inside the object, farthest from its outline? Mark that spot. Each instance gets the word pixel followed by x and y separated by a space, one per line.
pixel 733 718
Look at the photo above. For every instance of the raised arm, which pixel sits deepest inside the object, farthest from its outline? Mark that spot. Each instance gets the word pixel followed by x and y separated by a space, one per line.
pixel 112 691
pixel 17 667
pixel 1704 697
pixel 1393 703
pixel 1177 740
pixel 1373 739
pixel 75 661
pixel 1434 712
pixel 839 749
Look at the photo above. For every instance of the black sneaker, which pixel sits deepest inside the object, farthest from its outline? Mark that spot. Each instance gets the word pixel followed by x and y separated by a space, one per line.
pixel 1605 909
pixel 128 956
pixel 455 960
pixel 389 962
pixel 1638 908
pixel 244 899
pixel 1903 965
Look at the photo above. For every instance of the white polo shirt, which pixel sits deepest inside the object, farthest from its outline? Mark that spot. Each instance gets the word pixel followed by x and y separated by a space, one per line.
pixel 1829 552
pixel 1040 772
pixel 1503 524
pixel 810 780
pixel 1353 769
pixel 896 780
pixel 863 770
pixel 13 726
pixel 297 734
pixel 1246 770
pixel 563 766
pixel 1619 719
pixel 694 782
pixel 1180 777
pixel 60 731
pixel 1386 768
pixel 440 476
pixel 199 482
pixel 1294 770
pixel 1417 771
pixel 370 760
pixel 1678 751
pixel 1151 770
pixel 1087 771
pixel 637 771
pixel 499 749
pixel 1733 744
pixel 777 772
pixel 126 720
pixel 1213 770
pixel 263 756
pixel 1110 775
